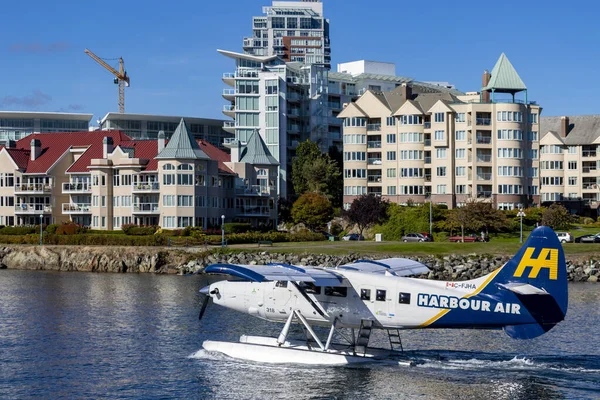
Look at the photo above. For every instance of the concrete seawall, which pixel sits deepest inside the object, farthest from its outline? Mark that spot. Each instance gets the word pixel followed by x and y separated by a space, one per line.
pixel 176 261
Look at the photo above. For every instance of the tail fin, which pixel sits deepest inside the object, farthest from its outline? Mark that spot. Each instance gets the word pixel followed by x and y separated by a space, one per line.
pixel 537 275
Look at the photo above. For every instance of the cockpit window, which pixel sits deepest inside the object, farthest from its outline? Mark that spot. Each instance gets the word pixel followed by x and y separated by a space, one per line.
pixel 380 295
pixel 336 291
pixel 281 284
pixel 311 288
pixel 365 294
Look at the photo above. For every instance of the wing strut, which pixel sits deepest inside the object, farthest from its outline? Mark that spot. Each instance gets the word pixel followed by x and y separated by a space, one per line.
pixel 312 303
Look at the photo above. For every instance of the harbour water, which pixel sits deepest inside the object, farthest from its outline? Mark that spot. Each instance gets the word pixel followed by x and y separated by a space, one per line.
pixel 84 335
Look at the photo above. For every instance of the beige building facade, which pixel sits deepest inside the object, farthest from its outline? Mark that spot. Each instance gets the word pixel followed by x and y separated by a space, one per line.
pixel 414 144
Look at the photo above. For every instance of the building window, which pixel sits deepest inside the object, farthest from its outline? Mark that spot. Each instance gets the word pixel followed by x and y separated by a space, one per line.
pixel 103 202
pixel 441 171
pixel 391 190
pixel 460 135
pixel 411 172
pixel 440 154
pixel 391 156
pixel 439 135
pixel 390 138
pixel 439 117
pixel 460 153
pixel 461 171
pixel 441 189
pixel 410 120
pixel 572 149
pixel 411 137
pixel 461 189
pixel 460 117
pixel 572 181
pixel 572 165
pixel 390 121
pixel 533 118
pixel 391 172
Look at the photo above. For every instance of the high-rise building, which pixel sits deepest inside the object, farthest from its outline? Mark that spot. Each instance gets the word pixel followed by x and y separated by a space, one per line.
pixel 413 144
pixel 293 30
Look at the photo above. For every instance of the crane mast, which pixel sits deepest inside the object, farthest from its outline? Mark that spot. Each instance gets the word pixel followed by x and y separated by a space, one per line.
pixel 121 77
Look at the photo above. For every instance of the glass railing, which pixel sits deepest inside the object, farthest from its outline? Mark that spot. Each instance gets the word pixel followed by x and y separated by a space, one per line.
pixel 484 140
pixel 229 92
pixel 145 207
pixel 255 190
pixel 374 127
pixel 76 208
pixel 427 125
pixel 228 75
pixel 484 121
pixel 374 145
pixel 254 210
pixel 587 153
pixel 589 186
pixel 484 157
pixel 77 187
pixel 374 161
pixel 33 187
pixel 374 178
pixel 146 186
pixel 589 169
pixel 484 176
pixel 427 142
pixel 230 107
pixel 484 195
pixel 427 160
pixel 229 124
pixel 33 208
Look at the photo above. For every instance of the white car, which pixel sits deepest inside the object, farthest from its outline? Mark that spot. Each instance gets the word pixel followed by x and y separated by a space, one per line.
pixel 564 237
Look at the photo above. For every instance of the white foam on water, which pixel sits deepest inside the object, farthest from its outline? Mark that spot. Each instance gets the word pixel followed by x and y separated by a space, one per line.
pixel 515 363
pixel 208 355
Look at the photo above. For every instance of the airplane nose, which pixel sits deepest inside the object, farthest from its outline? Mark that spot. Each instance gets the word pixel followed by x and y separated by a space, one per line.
pixel 205 290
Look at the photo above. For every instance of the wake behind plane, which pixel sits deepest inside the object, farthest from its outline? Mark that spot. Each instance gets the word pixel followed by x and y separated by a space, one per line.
pixel 526 297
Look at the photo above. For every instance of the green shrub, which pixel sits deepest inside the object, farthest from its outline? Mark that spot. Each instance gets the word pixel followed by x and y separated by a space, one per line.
pixel 99 232
pixel 51 229
pixel 138 230
pixel 19 230
pixel 588 221
pixel 237 227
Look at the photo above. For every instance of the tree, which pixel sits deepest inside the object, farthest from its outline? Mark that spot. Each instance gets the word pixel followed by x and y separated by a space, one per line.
pixel 316 172
pixel 366 211
pixel 313 210
pixel 476 215
pixel 557 217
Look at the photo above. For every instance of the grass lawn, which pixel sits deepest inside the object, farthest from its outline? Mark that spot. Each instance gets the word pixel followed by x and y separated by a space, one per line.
pixel 500 245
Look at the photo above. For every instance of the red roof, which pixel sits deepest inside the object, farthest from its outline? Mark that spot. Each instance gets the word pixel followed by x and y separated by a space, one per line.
pixel 216 154
pixel 54 146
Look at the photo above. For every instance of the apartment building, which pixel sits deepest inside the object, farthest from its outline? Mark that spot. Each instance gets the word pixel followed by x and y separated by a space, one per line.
pixel 570 162
pixel 291 102
pixel 415 144
pixel 104 179
pixel 15 125
pixel 144 126
pixel 295 31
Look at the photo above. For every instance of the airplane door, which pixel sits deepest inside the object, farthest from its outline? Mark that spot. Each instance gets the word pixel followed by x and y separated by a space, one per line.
pixel 279 301
pixel 367 296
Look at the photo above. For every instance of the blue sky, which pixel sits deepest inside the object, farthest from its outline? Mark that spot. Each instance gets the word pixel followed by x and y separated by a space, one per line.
pixel 169 48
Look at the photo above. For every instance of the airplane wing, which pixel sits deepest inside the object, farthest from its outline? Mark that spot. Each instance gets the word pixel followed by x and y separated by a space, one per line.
pixel 278 272
pixel 390 266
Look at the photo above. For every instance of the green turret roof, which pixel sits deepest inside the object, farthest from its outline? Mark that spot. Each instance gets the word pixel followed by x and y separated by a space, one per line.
pixel 182 146
pixel 256 152
pixel 505 78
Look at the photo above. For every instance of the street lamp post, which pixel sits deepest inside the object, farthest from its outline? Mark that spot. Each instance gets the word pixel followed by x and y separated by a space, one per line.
pixel 521 214
pixel 222 230
pixel 41 229
pixel 430 218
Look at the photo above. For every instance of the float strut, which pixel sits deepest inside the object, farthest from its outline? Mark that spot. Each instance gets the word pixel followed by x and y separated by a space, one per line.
pixel 312 333
pixel 331 332
pixel 285 330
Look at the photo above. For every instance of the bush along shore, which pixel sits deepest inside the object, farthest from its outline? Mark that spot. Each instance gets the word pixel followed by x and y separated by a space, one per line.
pixel 173 261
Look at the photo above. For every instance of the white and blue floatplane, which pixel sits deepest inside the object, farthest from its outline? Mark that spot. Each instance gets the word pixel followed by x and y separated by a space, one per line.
pixel 526 297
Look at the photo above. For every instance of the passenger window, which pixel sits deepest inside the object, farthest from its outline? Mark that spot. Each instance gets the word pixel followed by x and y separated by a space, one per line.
pixel 337 291
pixel 380 295
pixel 404 298
pixel 311 288
pixel 365 294
pixel 282 284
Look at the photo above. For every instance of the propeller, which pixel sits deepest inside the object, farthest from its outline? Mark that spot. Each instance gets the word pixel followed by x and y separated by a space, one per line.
pixel 205 292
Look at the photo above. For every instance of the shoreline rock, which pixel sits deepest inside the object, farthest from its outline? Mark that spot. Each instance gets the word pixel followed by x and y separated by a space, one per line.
pixel 178 261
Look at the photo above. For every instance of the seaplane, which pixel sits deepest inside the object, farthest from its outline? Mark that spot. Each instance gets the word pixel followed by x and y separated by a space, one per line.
pixel 526 297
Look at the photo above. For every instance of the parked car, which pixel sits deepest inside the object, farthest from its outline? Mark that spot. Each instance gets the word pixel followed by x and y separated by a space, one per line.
pixel 588 239
pixel 564 237
pixel 468 238
pixel 414 237
pixel 353 236
pixel 428 236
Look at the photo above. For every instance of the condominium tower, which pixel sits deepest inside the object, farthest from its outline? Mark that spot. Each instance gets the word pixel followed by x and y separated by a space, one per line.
pixel 411 144
pixel 15 125
pixel 293 30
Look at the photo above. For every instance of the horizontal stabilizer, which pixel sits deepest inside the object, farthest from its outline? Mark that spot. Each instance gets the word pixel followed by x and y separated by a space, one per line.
pixel 522 288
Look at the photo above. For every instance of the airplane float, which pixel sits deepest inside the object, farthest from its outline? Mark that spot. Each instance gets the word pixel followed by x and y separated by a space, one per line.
pixel 526 297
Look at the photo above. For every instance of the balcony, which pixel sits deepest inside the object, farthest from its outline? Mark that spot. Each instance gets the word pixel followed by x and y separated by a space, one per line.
pixel 293 113
pixel 589 153
pixel 427 142
pixel 484 139
pixel 229 126
pixel 33 188
pixel 145 187
pixel 229 78
pixel 374 127
pixel 258 211
pixel 374 161
pixel 75 187
pixel 293 128
pixel 484 158
pixel 427 160
pixel 374 145
pixel 427 178
pixel 587 170
pixel 229 94
pixel 335 106
pixel 229 110
pixel 484 176
pixel 73 208
pixel 146 208
pixel 254 190
pixel 294 97
pixel 33 209
pixel 374 178
pixel 483 121
pixel 484 194
pixel 589 186
pixel 427 125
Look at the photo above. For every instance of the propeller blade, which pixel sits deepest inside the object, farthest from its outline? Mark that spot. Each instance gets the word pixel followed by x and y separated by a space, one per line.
pixel 204 305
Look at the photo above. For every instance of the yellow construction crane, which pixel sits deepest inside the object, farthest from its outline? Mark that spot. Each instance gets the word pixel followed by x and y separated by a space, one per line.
pixel 121 77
